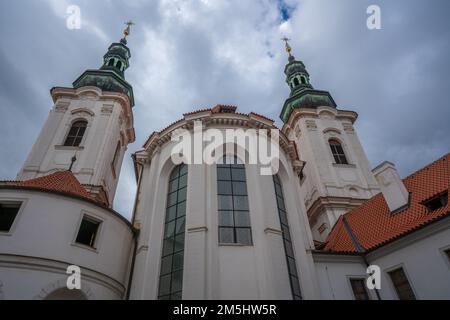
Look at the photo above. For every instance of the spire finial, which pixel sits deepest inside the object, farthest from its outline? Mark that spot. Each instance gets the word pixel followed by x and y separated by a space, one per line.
pixel 288 47
pixel 127 30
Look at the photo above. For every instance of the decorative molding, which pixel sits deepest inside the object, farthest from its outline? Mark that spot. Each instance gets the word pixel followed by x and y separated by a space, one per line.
pixel 322 228
pixel 58 268
pixel 298 132
pixel 89 96
pixel 341 165
pixel 197 229
pixel 62 106
pixel 326 114
pixel 348 127
pixel 83 111
pixel 141 248
pixel 88 171
pixel 61 284
pixel 61 147
pixel 311 125
pixel 332 131
pixel 107 109
pixel 273 231
pixel 331 202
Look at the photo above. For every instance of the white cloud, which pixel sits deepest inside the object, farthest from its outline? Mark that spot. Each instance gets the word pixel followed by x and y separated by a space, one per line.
pixel 189 54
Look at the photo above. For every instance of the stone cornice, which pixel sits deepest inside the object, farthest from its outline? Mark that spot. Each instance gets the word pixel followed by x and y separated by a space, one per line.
pixel 299 113
pixel 222 120
pixel 322 203
pixel 97 94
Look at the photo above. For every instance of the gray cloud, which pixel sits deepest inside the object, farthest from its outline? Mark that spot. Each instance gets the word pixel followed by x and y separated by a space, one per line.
pixel 190 54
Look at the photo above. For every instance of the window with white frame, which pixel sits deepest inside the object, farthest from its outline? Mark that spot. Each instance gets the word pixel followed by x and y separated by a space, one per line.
pixel 401 284
pixel 88 231
pixel 76 133
pixel 8 213
pixel 359 288
pixel 172 257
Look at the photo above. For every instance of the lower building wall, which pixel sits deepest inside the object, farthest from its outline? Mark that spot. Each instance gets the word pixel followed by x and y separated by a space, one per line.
pixel 212 270
pixel 36 252
pixel 421 255
pixel 36 279
pixel 334 273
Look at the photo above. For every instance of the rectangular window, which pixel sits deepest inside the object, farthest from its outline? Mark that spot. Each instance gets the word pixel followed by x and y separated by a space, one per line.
pixel 437 202
pixel 287 243
pixel 234 215
pixel 338 152
pixel 171 272
pixel 87 233
pixel 359 289
pixel 115 159
pixel 447 253
pixel 8 213
pixel 401 284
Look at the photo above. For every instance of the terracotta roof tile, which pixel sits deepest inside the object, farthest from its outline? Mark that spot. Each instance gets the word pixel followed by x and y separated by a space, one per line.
pixel 261 116
pixel 61 181
pixel 374 225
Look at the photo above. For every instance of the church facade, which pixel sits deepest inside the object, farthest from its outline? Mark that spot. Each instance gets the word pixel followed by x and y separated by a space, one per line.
pixel 317 228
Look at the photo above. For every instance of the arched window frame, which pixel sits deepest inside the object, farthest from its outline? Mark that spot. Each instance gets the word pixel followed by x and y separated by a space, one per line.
pixel 287 240
pixel 75 137
pixel 303 80
pixel 172 253
pixel 337 151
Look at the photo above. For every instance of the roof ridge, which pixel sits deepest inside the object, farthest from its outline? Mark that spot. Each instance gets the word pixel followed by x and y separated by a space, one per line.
pixel 427 166
pixel 61 180
pixel 374 225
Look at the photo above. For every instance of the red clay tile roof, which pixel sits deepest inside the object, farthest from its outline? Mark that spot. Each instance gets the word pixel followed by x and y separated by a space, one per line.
pixel 61 181
pixel 374 225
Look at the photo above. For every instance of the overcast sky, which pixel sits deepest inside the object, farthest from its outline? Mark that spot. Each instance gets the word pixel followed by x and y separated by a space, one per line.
pixel 191 54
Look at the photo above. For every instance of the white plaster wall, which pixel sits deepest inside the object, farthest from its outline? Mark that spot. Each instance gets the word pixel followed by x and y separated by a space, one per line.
pixel 94 156
pixel 334 274
pixel 324 178
pixel 37 281
pixel 46 229
pixel 420 254
pixel 222 272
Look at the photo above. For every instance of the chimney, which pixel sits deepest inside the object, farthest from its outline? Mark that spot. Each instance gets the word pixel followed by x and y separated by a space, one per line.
pixel 392 187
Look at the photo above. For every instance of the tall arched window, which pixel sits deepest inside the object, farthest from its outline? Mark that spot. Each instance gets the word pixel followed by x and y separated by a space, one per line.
pixel 115 159
pixel 303 79
pixel 76 133
pixel 119 65
pixel 111 63
pixel 234 215
pixel 171 274
pixel 296 83
pixel 338 152
pixel 287 241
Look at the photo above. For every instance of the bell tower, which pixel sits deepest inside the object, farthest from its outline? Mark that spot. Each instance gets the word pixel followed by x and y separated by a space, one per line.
pixel 337 176
pixel 89 127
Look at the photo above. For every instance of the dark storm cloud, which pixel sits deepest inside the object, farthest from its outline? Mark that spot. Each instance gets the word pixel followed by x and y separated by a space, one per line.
pixel 190 54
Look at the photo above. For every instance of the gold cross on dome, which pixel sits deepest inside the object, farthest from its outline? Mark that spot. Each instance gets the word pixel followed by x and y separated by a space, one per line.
pixel 127 30
pixel 288 47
